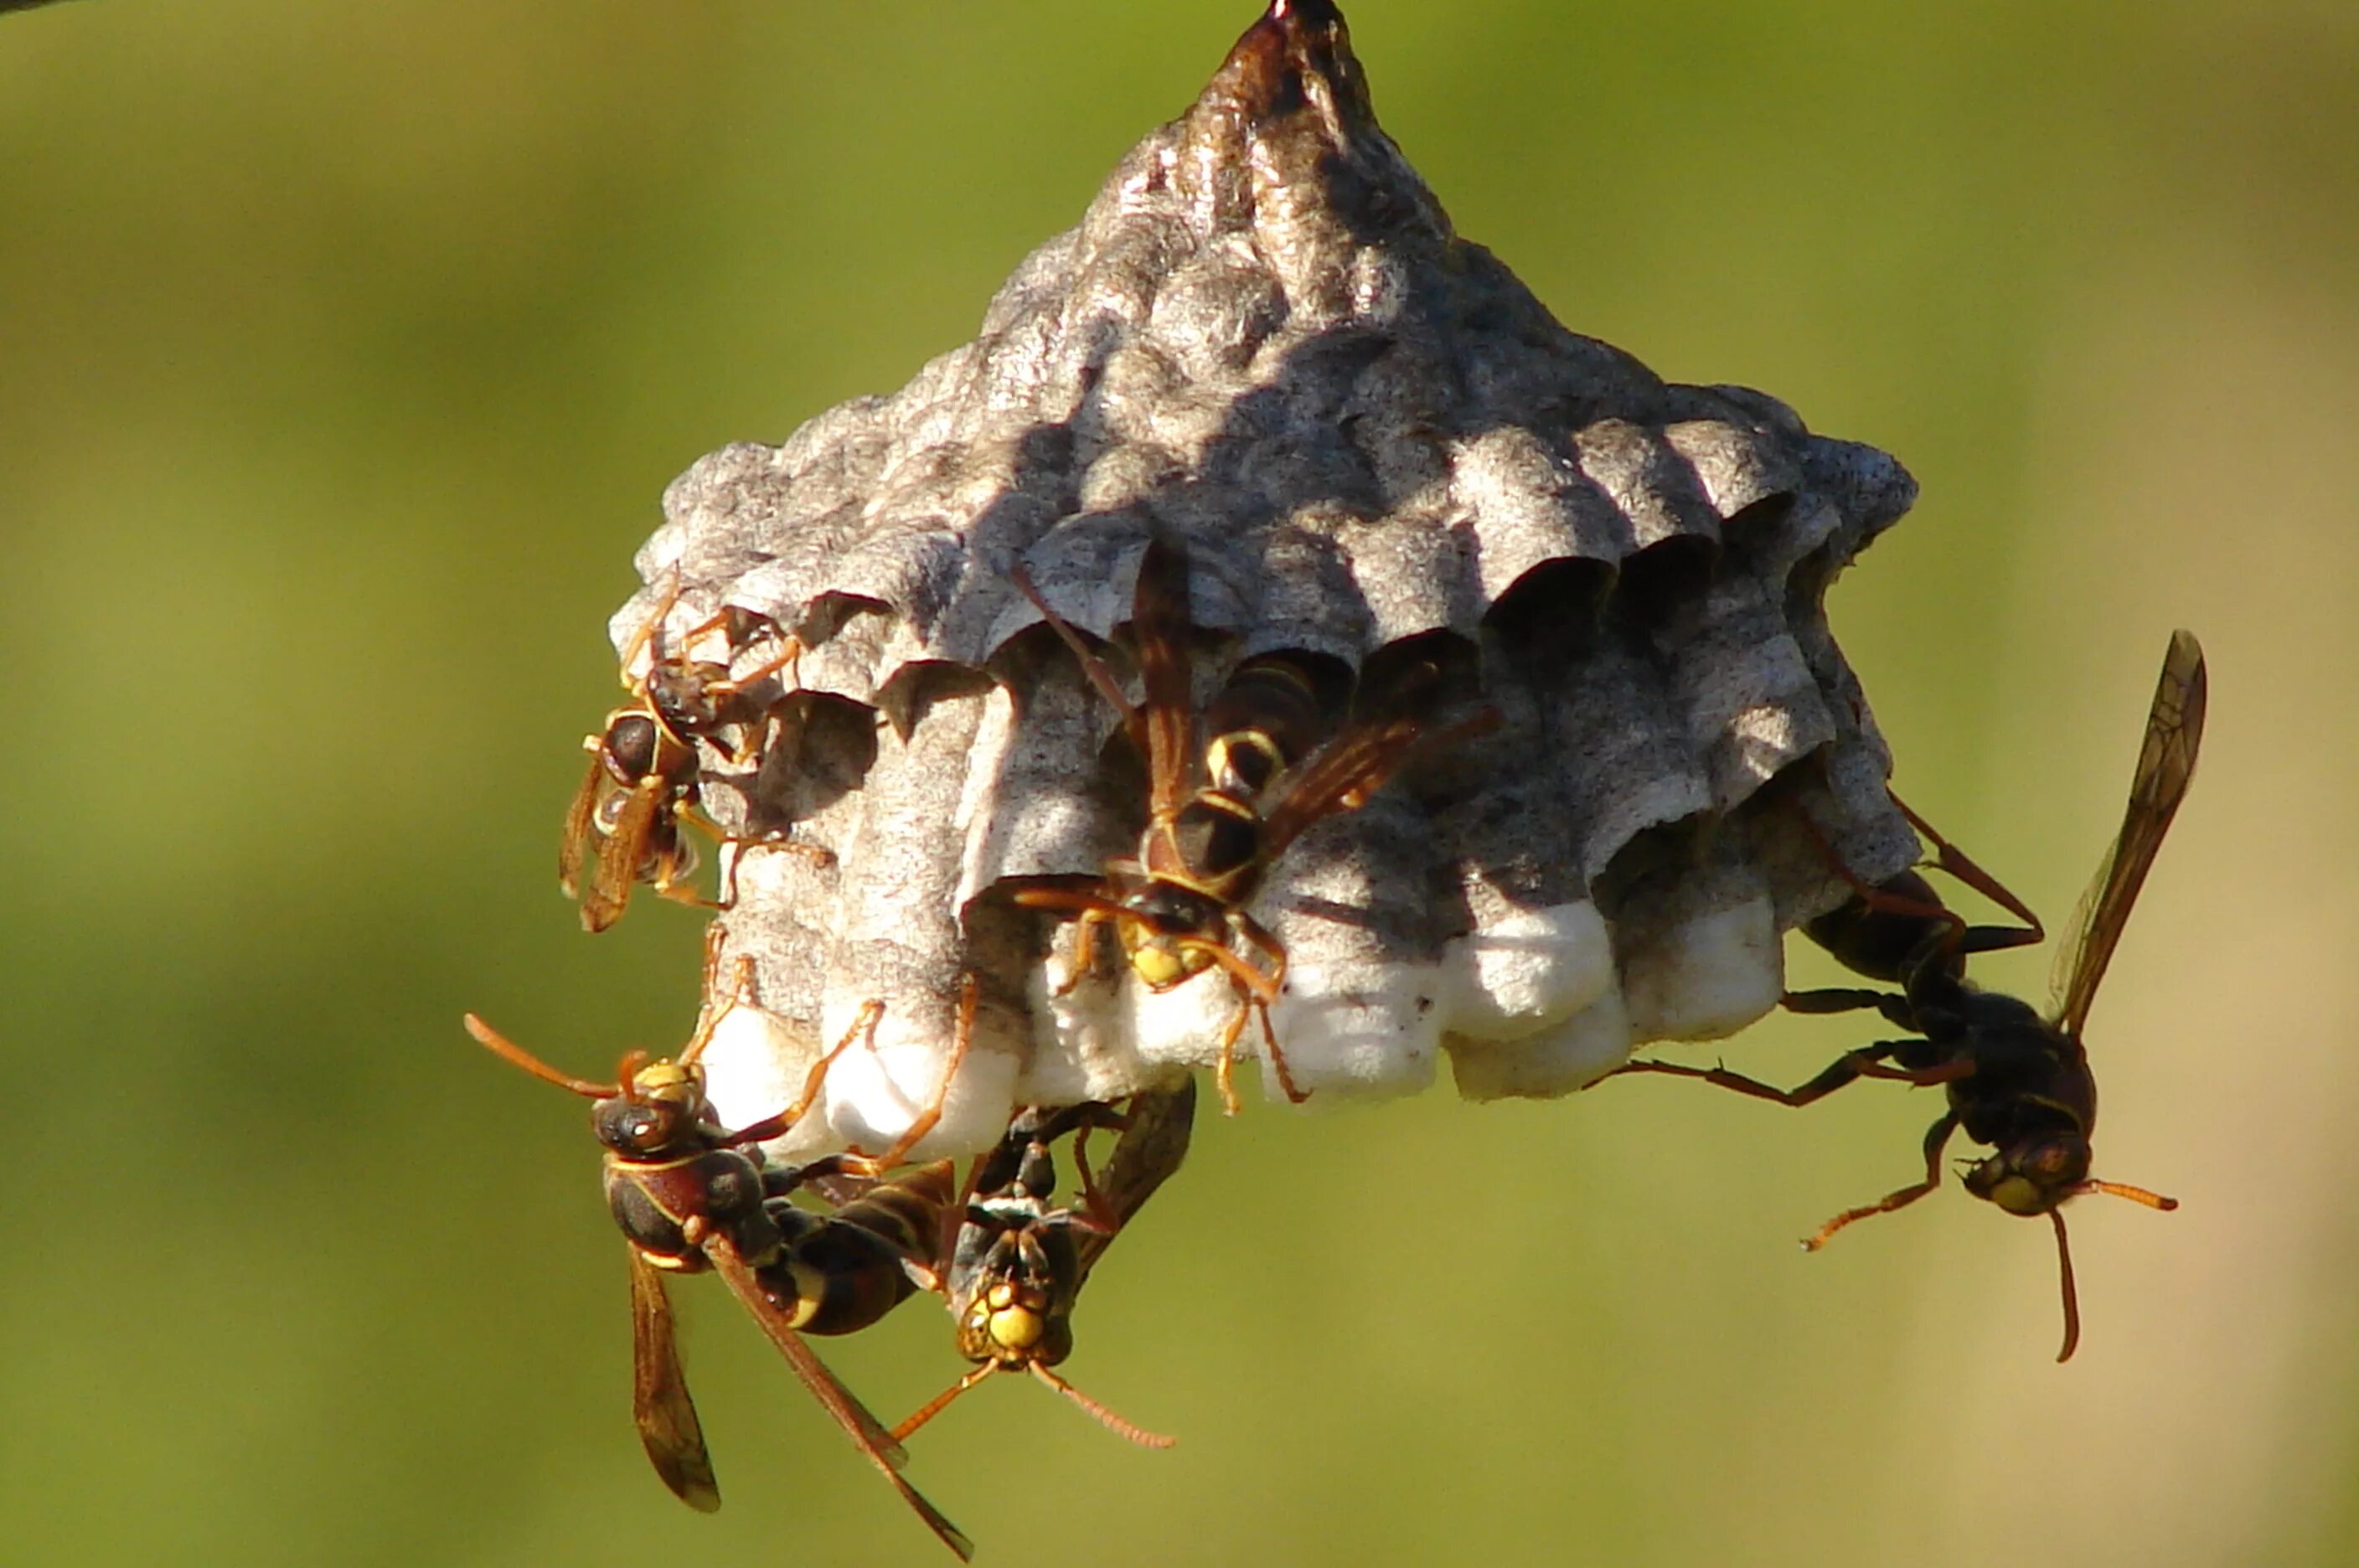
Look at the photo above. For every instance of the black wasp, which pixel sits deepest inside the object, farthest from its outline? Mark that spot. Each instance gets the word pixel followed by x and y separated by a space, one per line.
pixel 2016 1079
pixel 1019 1262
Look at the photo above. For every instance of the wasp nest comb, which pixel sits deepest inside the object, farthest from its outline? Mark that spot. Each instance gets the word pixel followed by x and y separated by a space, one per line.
pixel 1377 455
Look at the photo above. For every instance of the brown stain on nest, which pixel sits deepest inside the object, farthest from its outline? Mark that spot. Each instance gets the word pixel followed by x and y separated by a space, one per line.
pixel 1299 55
pixel 1284 140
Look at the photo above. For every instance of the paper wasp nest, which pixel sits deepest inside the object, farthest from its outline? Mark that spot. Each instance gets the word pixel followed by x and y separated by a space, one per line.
pixel 1264 340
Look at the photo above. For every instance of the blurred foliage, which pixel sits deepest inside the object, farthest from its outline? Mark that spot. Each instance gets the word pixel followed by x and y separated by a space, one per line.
pixel 344 354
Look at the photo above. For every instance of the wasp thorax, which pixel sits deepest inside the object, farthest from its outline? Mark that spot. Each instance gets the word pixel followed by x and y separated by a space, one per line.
pixel 2032 1177
pixel 732 1183
pixel 1213 842
pixel 632 741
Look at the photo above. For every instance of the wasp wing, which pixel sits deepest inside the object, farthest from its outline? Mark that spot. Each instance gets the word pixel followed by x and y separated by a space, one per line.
pixel 1352 767
pixel 1149 1149
pixel 621 853
pixel 578 831
pixel 1160 630
pixel 867 1433
pixel 2165 765
pixel 659 1401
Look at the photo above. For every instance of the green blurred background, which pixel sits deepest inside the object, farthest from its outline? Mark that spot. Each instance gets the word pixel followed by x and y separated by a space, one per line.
pixel 344 354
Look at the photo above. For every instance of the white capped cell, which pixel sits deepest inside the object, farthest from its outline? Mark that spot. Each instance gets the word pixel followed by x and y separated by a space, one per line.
pixel 1524 972
pixel 1568 1055
pixel 1721 969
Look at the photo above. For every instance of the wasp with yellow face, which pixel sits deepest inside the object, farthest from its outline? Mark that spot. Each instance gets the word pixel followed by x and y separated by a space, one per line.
pixel 2016 1080
pixel 1220 812
pixel 690 1195
pixel 1019 1262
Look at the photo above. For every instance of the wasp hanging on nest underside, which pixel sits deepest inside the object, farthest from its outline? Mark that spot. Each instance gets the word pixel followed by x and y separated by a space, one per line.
pixel 690 1195
pixel 1221 812
pixel 1018 1264
pixel 643 784
pixel 2016 1079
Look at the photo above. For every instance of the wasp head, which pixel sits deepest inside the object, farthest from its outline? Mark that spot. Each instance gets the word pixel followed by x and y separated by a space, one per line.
pixel 1170 939
pixel 2035 1173
pixel 681 692
pixel 1011 1322
pixel 661 1113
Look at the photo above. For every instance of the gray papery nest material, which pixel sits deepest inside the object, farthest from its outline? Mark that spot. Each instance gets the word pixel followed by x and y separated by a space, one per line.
pixel 1263 340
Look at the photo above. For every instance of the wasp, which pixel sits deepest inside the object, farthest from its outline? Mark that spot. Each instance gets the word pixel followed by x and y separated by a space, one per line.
pixel 642 784
pixel 2016 1079
pixel 690 1195
pixel 1018 1263
pixel 1220 814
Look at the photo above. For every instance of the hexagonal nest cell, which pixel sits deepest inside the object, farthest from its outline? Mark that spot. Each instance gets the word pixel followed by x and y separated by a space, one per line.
pixel 1265 345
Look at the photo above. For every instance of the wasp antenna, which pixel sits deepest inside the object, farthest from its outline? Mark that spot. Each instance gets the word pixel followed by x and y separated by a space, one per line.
pixel 650 633
pixel 626 1072
pixel 2071 1296
pixel 2135 1195
pixel 940 1401
pixel 1104 1417
pixel 507 1050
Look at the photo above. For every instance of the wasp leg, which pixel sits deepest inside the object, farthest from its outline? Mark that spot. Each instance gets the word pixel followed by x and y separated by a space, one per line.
pixel 1099 1213
pixel 1090 911
pixel 1278 1058
pixel 650 632
pixel 1959 937
pixel 1877 899
pixel 1256 989
pixel 1958 864
pixel 1834 1000
pixel 771 1126
pixel 1936 1137
pixel 1850 1066
pixel 927 1119
pixel 738 849
pixel 674 864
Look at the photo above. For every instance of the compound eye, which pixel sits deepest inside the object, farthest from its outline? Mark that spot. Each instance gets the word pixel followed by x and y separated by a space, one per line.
pixel 647 1127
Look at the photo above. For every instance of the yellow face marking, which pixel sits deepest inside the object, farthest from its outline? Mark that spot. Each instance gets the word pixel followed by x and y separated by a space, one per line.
pixel 1164 965
pixel 659 1078
pixel 2017 1195
pixel 1017 1328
